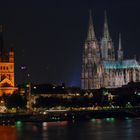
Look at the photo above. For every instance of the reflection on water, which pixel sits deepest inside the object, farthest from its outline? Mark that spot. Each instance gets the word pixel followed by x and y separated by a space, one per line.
pixel 8 133
pixel 96 129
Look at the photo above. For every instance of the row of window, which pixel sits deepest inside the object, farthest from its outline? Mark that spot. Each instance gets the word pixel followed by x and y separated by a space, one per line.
pixel 4 67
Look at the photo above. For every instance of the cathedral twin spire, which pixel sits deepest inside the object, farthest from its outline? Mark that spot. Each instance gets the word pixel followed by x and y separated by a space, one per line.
pixel 99 66
pixel 106 29
pixel 107 48
pixel 91 32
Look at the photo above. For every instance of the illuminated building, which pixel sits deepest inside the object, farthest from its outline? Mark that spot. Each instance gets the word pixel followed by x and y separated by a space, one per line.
pixel 99 66
pixel 50 90
pixel 7 82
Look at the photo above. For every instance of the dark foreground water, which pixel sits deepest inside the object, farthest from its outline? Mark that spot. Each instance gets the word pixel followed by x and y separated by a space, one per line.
pixel 99 129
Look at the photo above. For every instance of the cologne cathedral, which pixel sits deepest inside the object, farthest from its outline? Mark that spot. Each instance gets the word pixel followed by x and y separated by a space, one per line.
pixel 100 66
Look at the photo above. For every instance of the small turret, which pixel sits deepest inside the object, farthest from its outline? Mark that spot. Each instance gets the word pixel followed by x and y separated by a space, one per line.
pixel 11 56
pixel 120 52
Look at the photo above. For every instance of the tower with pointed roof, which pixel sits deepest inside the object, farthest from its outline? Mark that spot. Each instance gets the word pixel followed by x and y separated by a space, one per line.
pixel 7 75
pixel 107 48
pixel 120 51
pixel 91 59
pixel 99 67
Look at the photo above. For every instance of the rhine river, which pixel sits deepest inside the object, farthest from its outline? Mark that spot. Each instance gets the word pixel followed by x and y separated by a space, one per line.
pixel 96 129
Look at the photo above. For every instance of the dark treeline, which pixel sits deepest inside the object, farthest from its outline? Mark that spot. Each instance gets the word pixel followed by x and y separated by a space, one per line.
pixel 128 95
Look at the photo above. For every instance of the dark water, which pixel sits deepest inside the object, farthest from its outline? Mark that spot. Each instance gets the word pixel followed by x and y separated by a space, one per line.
pixel 99 129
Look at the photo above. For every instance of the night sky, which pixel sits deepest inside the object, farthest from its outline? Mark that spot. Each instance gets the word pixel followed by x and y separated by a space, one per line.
pixel 48 36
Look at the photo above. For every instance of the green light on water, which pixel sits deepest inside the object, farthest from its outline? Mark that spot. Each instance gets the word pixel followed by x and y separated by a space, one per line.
pixel 93 120
pixel 107 119
pixel 18 123
pixel 126 118
pixel 110 119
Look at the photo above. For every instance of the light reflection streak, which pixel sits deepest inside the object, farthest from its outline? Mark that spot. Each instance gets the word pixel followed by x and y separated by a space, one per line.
pixel 63 123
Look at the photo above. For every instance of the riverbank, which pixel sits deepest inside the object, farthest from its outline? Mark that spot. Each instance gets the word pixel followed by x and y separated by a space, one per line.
pixel 7 118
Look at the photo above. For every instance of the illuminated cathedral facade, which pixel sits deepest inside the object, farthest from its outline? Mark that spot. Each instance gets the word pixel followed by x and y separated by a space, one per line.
pixel 7 80
pixel 100 67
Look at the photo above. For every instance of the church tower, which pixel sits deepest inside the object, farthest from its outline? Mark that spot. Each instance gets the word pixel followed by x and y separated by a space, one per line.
pixel 7 83
pixel 91 59
pixel 120 51
pixel 107 48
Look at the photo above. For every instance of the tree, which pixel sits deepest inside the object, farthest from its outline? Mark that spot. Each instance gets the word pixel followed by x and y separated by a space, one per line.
pixel 16 100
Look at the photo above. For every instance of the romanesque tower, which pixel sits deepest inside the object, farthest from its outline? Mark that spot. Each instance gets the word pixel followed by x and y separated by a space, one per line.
pixel 7 83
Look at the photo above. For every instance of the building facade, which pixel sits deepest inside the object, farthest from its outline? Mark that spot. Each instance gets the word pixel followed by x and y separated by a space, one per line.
pixel 100 67
pixel 7 80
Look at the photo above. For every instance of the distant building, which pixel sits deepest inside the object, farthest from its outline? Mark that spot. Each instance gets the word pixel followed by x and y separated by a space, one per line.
pixel 100 68
pixel 7 80
pixel 49 90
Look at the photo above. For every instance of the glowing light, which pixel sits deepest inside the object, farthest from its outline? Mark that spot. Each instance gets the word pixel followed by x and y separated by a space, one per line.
pixel 18 123
pixel 23 67
pixel 126 118
pixel 27 85
pixel 110 119
pixel 107 119
pixel 44 113
pixel 93 120
pixel 44 124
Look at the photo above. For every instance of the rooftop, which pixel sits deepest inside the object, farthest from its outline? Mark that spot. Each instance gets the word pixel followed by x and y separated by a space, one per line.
pixel 124 64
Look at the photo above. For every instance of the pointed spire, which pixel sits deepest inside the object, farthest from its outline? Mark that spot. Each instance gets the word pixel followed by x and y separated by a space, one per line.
pixel 91 33
pixel 120 51
pixel 120 42
pixel 106 29
pixel 135 57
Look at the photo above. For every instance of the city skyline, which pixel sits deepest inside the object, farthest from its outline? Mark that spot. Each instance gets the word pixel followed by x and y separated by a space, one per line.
pixel 48 37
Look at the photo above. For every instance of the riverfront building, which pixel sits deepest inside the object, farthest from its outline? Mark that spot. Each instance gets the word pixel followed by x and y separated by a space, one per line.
pixel 100 67
pixel 7 81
